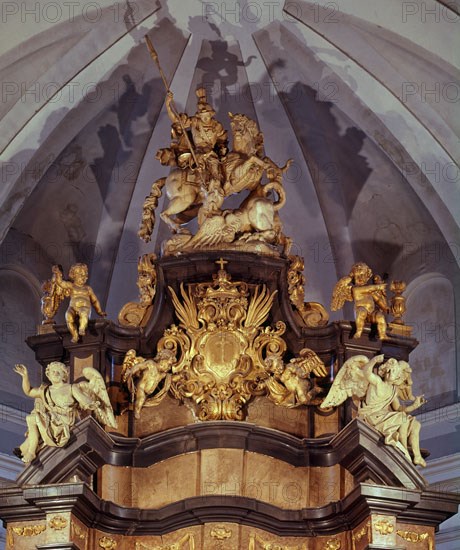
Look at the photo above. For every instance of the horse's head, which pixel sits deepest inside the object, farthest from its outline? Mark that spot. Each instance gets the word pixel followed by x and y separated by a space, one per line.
pixel 247 138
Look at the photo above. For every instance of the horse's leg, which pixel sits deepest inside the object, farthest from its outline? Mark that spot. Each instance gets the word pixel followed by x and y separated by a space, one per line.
pixel 175 206
pixel 261 218
pixel 261 215
pixel 178 204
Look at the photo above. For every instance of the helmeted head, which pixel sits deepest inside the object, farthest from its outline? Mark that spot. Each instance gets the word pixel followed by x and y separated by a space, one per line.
pixel 204 110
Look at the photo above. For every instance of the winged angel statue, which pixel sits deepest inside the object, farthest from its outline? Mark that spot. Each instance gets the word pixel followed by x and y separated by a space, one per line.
pixel 143 376
pixel 57 406
pixel 369 299
pixel 379 394
pixel 290 384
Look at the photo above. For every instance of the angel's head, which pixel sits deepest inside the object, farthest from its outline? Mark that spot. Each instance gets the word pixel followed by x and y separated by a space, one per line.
pixel 361 273
pixel 406 369
pixel 393 371
pixel 274 363
pixel 78 273
pixel 166 357
pixel 57 372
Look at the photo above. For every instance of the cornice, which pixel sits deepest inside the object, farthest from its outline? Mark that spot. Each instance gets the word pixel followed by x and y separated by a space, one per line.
pixel 358 448
pixel 10 466
pixel 33 503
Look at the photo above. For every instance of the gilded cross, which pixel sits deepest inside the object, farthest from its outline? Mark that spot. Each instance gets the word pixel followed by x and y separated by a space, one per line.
pixel 221 263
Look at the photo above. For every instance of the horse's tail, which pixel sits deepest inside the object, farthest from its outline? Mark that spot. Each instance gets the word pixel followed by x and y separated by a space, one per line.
pixel 279 190
pixel 148 210
pixel 157 188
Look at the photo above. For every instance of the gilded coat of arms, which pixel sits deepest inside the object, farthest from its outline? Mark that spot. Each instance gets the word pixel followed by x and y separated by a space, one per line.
pixel 221 354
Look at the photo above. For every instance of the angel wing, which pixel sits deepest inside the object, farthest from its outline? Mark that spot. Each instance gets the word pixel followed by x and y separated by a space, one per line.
pixel 95 390
pixel 213 231
pixel 259 307
pixel 341 293
pixel 348 382
pixel 186 311
pixel 309 363
pixel 52 298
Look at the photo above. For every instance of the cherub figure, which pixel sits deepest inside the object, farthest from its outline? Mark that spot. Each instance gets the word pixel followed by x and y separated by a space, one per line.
pixel 370 300
pixel 290 384
pixel 81 298
pixel 380 406
pixel 57 406
pixel 142 377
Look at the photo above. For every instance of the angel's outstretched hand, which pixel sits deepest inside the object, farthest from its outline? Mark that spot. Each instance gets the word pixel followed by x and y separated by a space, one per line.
pixel 20 369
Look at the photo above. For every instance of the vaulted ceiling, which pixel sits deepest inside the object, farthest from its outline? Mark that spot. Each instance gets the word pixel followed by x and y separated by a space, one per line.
pixel 362 94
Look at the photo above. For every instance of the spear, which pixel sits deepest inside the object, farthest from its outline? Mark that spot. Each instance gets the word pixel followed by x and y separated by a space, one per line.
pixel 154 56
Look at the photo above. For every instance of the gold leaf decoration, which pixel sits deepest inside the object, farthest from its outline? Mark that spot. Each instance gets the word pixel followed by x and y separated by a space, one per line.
pixel 221 354
pixel 179 545
pixel 29 531
pixel 313 314
pixel 384 527
pixel 257 543
pixel 10 538
pixel 107 543
pixel 79 533
pixel 58 522
pixel 133 314
pixel 360 534
pixel 412 536
pixel 220 533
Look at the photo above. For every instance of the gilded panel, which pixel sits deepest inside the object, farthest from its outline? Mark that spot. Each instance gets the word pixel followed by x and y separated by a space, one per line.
pixel 276 482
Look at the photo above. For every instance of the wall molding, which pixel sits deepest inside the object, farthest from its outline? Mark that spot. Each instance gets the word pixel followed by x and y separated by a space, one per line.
pixel 10 466
pixel 445 468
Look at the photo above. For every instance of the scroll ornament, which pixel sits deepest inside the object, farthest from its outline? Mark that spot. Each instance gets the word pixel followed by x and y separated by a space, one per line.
pixel 221 354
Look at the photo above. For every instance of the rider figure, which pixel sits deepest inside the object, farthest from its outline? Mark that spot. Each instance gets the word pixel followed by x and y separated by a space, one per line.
pixel 208 136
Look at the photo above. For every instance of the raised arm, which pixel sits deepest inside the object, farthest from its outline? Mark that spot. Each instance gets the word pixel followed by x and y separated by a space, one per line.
pixel 368 370
pixel 418 402
pixel 140 367
pixel 174 117
pixel 57 278
pixel 371 289
pixel 26 387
